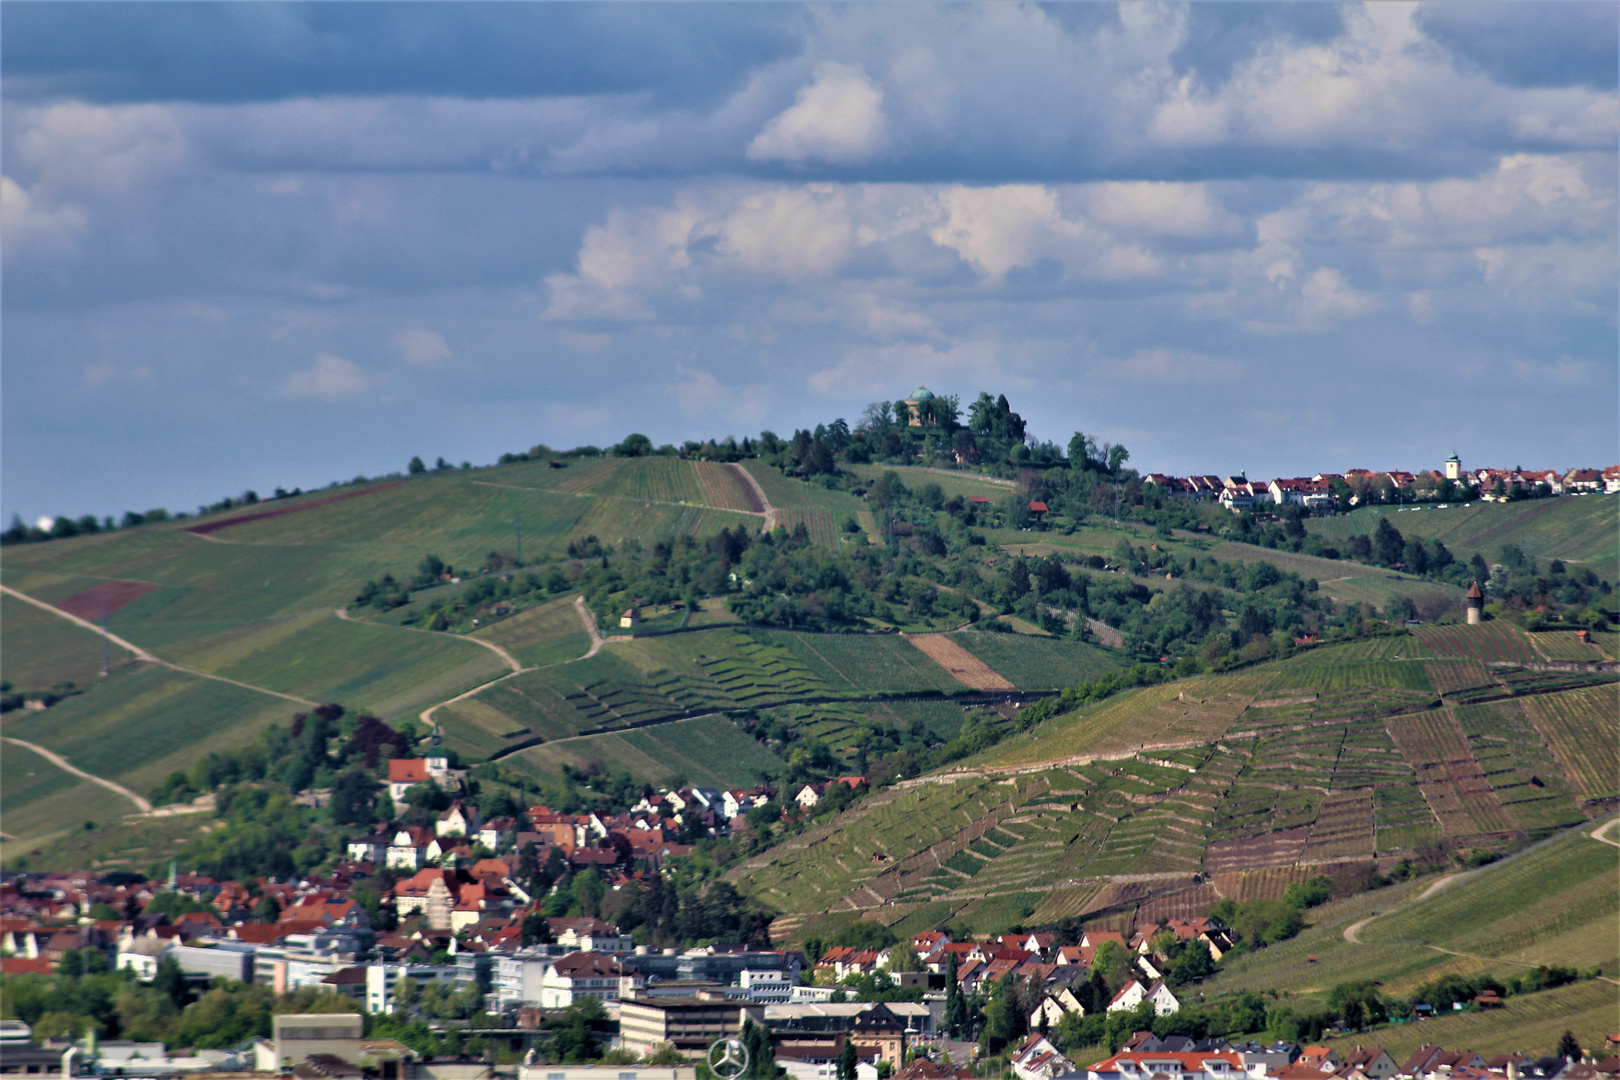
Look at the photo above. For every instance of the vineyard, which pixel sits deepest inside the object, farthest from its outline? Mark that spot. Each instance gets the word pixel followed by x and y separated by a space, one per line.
pixel 1037 663
pixel 1579 725
pixel 1449 777
pixel 1564 645
pixel 1521 770
pixel 1498 641
pixel 818 522
pixel 858 662
pixel 722 488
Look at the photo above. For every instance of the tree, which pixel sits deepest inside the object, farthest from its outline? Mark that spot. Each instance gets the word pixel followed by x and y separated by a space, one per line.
pixel 171 980
pixel 266 910
pixel 416 467
pixel 904 958
pixel 756 1039
pixel 354 797
pixel 536 930
pixel 1569 1047
pixel 847 1060
pixel 1388 544
pixel 634 445
pixel 955 1007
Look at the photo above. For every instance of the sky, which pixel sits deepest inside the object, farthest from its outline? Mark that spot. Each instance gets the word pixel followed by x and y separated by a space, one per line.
pixel 256 244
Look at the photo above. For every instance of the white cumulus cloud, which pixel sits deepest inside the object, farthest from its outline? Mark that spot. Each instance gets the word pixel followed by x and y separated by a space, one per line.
pixel 422 348
pixel 838 119
pixel 329 378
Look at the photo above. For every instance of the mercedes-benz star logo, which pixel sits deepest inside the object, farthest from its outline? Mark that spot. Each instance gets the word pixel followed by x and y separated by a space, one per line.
pixel 728 1058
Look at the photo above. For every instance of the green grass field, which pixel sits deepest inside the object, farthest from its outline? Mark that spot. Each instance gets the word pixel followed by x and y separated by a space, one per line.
pixel 551 633
pixel 141 844
pixel 706 751
pixel 42 649
pixel 1351 582
pixel 1580 529
pixel 142 722
pixel 1553 904
pixel 949 481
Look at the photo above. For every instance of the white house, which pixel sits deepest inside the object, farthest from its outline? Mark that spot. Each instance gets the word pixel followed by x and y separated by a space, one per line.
pixel 1054 1007
pixel 1134 993
pixel 406 773
pixel 371 849
pixel 141 955
pixel 459 820
pixel 810 794
pixel 1037 1059
pixel 410 848
pixel 517 980
pixel 1141 1065
pixel 581 975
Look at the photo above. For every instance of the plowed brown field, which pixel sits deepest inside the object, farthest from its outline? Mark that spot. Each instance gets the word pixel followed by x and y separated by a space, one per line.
pixel 964 667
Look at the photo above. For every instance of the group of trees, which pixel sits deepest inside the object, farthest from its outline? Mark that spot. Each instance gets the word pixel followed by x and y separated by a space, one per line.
pixel 313 751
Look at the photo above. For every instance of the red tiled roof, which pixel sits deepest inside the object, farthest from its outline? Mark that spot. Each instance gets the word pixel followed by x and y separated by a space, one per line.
pixel 407 771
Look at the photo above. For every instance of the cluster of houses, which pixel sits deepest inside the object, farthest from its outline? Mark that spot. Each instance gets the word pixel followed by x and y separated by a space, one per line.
pixel 1038 957
pixel 1240 493
pixel 648 832
pixel 1181 1058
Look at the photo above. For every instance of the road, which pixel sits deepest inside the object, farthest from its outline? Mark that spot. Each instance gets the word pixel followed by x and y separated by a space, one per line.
pixel 141 654
pixel 585 616
pixel 62 763
pixel 506 657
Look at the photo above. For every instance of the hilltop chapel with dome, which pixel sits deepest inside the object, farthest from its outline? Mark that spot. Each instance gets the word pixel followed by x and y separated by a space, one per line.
pixel 915 402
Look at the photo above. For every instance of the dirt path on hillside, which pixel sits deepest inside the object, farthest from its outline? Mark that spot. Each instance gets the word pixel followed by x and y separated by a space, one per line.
pixel 62 763
pixel 770 512
pixel 141 654
pixel 510 660
pixel 1352 933
pixel 588 617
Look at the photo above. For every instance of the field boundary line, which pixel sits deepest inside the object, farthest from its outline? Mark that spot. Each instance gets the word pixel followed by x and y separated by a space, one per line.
pixel 141 654
pixel 511 661
pixel 61 762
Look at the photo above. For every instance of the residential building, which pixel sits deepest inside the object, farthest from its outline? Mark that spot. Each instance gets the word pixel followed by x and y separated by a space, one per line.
pixel 1142 1065
pixel 607 1072
pixel 459 820
pixel 517 980
pixel 406 773
pixel 382 981
pixel 586 975
pixel 1133 993
pixel 690 1024
pixel 1037 1059
pixel 225 959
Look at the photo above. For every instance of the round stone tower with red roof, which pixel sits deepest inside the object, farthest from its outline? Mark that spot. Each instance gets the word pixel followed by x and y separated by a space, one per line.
pixel 1476 604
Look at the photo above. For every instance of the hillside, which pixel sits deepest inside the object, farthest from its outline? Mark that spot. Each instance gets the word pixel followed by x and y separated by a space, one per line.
pixel 229 622
pixel 1580 530
pixel 244 617
pixel 1161 800
pixel 1552 904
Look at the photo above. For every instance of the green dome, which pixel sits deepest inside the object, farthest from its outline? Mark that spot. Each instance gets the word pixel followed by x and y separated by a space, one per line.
pixel 922 394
